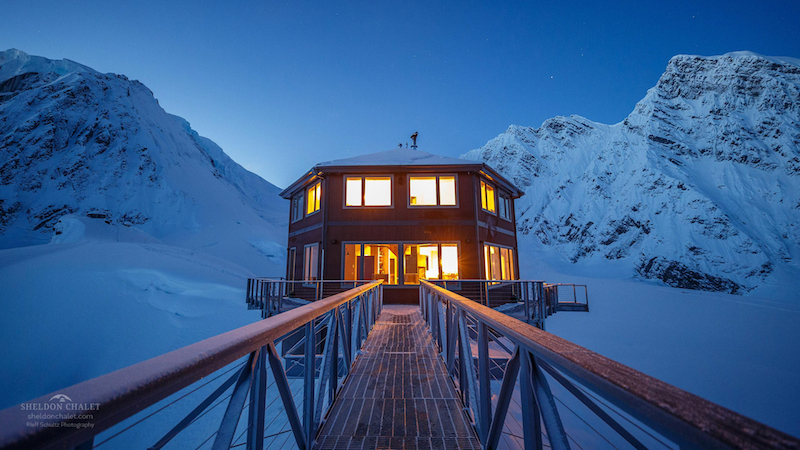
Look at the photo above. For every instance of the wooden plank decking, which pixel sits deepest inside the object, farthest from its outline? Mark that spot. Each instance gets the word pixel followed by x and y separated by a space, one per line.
pixel 398 395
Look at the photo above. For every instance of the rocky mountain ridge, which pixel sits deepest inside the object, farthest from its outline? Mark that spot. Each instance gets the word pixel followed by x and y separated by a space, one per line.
pixel 698 187
pixel 76 141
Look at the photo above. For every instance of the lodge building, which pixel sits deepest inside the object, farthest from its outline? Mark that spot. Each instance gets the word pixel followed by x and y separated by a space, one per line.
pixel 401 216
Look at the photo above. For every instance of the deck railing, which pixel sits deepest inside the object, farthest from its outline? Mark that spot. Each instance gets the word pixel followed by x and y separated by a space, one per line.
pixel 539 299
pixel 151 403
pixel 269 294
pixel 525 388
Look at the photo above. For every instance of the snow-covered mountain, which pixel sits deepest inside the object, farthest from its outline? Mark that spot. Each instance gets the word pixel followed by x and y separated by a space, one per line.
pixel 698 187
pixel 76 141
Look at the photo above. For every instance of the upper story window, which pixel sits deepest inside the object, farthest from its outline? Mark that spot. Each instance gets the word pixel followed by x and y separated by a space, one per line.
pixel 433 190
pixel 368 191
pixel 313 194
pixel 504 207
pixel 297 207
pixel 487 197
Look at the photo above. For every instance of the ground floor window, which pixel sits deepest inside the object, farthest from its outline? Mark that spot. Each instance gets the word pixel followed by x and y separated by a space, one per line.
pixel 498 262
pixel 311 262
pixel 371 262
pixel 290 262
pixel 382 262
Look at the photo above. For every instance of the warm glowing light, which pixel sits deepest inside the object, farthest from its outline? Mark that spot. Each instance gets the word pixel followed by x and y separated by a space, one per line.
pixel 447 191
pixel 378 191
pixel 487 197
pixel 423 191
pixel 353 191
pixel 313 194
pixel 499 262
pixel 449 262
pixel 429 261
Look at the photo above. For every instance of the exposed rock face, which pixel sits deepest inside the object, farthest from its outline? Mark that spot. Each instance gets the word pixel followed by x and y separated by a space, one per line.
pixel 75 141
pixel 698 187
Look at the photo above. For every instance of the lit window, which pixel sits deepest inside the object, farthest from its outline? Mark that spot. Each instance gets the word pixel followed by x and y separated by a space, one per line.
pixel 447 191
pixel 421 262
pixel 504 207
pixel 449 261
pixel 368 191
pixel 432 191
pixel 498 262
pixel 311 262
pixel 353 192
pixel 313 195
pixel 487 197
pixel 371 262
pixel 297 207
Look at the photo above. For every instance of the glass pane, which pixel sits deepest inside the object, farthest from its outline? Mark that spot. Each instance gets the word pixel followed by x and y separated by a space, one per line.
pixel 449 262
pixel 504 260
pixel 494 255
pixel 378 191
pixel 381 262
pixel 447 191
pixel 352 191
pixel 483 195
pixel 421 262
pixel 352 252
pixel 489 198
pixel 317 196
pixel 423 190
pixel 311 263
pixel 487 272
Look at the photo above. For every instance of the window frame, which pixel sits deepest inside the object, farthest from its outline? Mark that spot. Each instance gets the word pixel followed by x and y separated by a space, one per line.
pixel 506 202
pixel 512 266
pixel 483 185
pixel 401 248
pixel 291 263
pixel 438 189
pixel 306 279
pixel 363 178
pixel 299 201
pixel 317 198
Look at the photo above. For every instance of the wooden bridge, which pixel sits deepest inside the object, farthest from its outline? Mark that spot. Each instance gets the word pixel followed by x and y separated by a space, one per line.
pixel 345 372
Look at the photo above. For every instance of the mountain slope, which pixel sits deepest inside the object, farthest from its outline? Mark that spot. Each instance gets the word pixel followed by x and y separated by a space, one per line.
pixel 75 141
pixel 698 187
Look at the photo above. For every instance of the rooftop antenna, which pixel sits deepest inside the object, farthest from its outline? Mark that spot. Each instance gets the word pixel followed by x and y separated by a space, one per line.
pixel 414 138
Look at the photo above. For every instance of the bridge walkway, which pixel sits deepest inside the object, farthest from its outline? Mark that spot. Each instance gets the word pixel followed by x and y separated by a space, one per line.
pixel 399 394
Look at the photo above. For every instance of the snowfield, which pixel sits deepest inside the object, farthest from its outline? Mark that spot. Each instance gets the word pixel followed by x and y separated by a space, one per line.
pixel 739 352
pixel 74 311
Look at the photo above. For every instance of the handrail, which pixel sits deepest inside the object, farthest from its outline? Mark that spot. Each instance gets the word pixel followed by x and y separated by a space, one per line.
pixel 679 415
pixel 118 395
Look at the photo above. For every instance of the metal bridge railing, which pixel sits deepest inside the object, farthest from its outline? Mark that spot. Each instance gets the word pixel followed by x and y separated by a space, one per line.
pixel 269 294
pixel 540 300
pixel 197 394
pixel 525 388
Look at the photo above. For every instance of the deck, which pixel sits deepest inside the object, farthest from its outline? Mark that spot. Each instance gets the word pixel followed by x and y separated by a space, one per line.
pixel 398 395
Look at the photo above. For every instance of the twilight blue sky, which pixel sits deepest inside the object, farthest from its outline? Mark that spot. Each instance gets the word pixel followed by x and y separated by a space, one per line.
pixel 283 85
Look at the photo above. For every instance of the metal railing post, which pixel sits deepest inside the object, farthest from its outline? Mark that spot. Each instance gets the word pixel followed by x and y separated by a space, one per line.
pixel 485 393
pixel 532 432
pixel 258 397
pixel 308 386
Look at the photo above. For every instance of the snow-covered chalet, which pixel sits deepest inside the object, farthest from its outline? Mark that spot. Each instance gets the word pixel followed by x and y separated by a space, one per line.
pixel 401 216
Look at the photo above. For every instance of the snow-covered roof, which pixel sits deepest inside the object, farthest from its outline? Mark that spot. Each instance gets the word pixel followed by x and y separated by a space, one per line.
pixel 397 157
